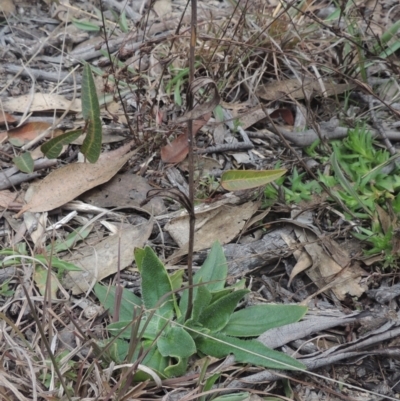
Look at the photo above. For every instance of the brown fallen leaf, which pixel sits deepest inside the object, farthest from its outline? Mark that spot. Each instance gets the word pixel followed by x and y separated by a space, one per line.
pixel 221 223
pixel 104 258
pixel 178 149
pixel 41 102
pixel 6 118
pixel 10 200
pixel 326 273
pixel 66 183
pixel 125 189
pixel 300 89
pixel 285 114
pixel 7 7
pixel 21 135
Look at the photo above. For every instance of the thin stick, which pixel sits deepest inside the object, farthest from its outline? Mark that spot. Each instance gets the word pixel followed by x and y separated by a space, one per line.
pixel 190 100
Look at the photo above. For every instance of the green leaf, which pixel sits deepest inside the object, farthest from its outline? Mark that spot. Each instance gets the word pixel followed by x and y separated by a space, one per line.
pixel 85 25
pixel 59 264
pixel 216 295
pixel 123 328
pixel 177 279
pixel 70 240
pixel 154 360
pixel 237 180
pixel 123 22
pixel 176 342
pixel 177 93
pixel 233 397
pixel 91 146
pixel 246 351
pixel 53 148
pixel 212 274
pixel 156 284
pixel 255 320
pixel 106 296
pixel 202 298
pixel 345 183
pixel 216 316
pixel 139 255
pixel 24 162
pixel 388 34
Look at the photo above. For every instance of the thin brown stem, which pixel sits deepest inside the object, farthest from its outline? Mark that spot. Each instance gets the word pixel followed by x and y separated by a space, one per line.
pixel 192 219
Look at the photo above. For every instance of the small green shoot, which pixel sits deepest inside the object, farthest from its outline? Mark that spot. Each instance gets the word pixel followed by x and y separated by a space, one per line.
pixel 357 180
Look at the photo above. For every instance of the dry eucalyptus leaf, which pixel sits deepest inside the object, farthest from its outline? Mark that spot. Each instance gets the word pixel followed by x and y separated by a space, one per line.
pixel 162 8
pixel 326 273
pixel 7 7
pixel 300 89
pixel 103 259
pixel 125 189
pixel 41 102
pixel 68 182
pixel 223 223
pixel 302 257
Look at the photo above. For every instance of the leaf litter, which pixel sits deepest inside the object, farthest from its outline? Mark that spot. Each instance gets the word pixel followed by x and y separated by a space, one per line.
pixel 269 67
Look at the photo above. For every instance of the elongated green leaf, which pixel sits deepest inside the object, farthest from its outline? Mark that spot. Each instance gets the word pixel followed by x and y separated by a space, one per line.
pixel 123 328
pixel 234 397
pixel 177 93
pixel 177 279
pixel 60 265
pixel 212 274
pixel 255 320
pixel 216 316
pixel 237 180
pixel 71 239
pixel 387 35
pixel 53 148
pixel 123 22
pixel 24 162
pixel 246 351
pixel 202 299
pixel 86 25
pixel 345 183
pixel 106 296
pixel 91 146
pixel 139 255
pixel 156 284
pixel 90 102
pixel 390 50
pixel 216 295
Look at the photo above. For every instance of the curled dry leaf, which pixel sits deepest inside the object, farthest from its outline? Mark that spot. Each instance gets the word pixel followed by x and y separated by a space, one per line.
pixel 66 183
pixel 285 114
pixel 201 109
pixel 178 149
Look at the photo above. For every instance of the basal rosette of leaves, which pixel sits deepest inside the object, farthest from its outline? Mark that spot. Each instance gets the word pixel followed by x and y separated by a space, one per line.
pixel 214 328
